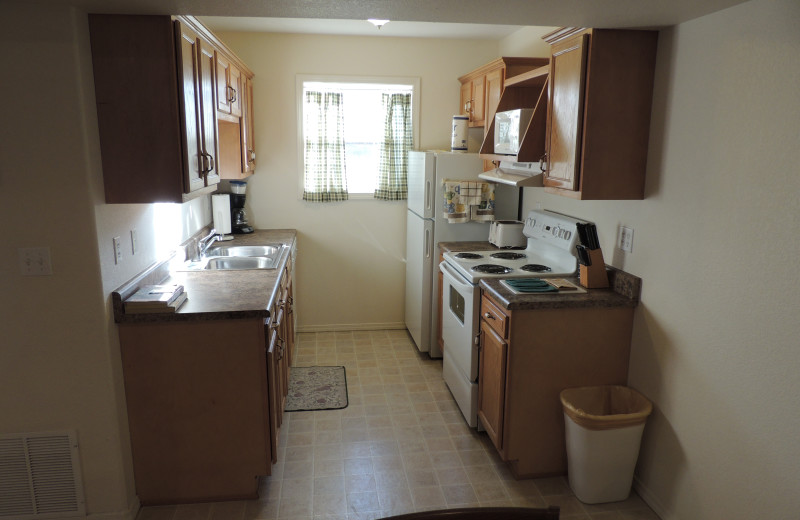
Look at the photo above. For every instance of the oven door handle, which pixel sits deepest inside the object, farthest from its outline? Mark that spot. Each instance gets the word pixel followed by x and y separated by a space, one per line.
pixel 453 277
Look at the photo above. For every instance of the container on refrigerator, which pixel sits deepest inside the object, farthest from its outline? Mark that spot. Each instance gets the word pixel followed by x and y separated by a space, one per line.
pixel 426 226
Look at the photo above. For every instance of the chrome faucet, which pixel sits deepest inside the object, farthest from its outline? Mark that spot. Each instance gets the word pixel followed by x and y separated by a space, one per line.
pixel 203 244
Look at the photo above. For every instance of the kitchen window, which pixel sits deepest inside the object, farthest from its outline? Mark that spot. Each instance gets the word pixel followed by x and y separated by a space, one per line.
pixel 354 136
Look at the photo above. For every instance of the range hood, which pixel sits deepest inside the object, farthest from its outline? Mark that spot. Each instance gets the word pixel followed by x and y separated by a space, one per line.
pixel 515 174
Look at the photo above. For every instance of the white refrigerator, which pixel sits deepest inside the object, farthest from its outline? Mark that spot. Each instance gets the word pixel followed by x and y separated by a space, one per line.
pixel 426 226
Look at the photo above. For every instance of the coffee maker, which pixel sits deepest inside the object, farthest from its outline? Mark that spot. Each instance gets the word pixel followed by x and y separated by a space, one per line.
pixel 239 223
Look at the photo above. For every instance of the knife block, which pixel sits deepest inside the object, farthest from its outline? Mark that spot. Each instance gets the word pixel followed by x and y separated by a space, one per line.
pixel 594 276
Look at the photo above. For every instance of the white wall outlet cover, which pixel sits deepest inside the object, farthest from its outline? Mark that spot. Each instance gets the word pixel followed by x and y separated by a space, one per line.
pixel 625 240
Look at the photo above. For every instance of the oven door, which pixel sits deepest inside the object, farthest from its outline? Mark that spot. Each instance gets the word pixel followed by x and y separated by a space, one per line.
pixel 460 308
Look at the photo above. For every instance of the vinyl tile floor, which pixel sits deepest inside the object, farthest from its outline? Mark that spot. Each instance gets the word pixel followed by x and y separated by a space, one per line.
pixel 400 446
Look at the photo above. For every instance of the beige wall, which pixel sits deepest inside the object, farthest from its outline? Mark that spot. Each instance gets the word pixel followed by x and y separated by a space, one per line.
pixel 715 342
pixel 58 367
pixel 351 260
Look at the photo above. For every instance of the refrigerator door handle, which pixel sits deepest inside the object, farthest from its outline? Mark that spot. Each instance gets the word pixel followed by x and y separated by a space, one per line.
pixel 428 197
pixel 428 245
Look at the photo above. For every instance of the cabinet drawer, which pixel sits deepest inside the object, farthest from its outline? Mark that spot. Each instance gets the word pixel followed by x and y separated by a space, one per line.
pixel 494 317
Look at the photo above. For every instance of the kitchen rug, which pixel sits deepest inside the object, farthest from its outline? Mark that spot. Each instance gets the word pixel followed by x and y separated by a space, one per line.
pixel 316 388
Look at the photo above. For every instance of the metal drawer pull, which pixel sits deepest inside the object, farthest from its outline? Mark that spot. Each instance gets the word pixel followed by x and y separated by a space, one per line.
pixel 488 316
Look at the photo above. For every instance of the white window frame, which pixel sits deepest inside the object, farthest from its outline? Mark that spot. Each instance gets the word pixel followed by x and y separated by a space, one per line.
pixel 413 82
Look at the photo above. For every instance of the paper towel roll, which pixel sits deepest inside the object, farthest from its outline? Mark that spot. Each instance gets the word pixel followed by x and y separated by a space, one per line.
pixel 459 141
pixel 221 212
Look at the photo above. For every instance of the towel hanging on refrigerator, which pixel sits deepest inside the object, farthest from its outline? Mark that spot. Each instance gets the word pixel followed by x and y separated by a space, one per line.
pixel 466 201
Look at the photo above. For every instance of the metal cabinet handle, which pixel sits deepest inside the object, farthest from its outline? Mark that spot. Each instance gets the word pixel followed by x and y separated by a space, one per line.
pixel 488 316
pixel 542 160
pixel 252 155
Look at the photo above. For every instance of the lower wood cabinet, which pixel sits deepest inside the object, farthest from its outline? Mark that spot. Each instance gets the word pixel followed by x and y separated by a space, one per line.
pixel 527 357
pixel 205 401
pixel 199 405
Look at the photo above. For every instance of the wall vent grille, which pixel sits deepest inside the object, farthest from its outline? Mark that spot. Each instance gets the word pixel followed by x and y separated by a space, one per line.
pixel 40 476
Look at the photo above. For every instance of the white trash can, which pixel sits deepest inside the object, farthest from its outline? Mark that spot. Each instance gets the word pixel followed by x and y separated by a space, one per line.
pixel 604 427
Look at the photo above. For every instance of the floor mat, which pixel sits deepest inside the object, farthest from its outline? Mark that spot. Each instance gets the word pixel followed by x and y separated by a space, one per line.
pixel 316 388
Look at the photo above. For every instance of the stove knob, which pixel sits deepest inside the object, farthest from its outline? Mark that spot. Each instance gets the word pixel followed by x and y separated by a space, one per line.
pixel 555 231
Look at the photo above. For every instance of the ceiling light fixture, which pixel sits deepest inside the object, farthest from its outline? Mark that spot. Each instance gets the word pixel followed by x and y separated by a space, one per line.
pixel 378 23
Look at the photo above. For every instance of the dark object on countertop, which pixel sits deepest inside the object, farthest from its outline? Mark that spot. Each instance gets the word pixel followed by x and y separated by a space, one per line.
pixel 583 255
pixel 587 235
pixel 483 513
pixel 530 285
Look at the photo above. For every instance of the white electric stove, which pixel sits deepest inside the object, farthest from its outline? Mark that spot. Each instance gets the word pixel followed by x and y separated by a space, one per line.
pixel 550 252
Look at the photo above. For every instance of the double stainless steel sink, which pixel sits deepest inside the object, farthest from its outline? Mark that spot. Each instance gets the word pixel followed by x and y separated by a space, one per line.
pixel 229 258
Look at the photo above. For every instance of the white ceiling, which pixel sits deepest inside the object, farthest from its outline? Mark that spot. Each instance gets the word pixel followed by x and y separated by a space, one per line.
pixel 305 15
pixel 359 27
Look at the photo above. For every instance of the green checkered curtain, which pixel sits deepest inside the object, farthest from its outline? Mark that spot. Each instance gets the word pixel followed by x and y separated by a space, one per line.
pixel 398 139
pixel 325 178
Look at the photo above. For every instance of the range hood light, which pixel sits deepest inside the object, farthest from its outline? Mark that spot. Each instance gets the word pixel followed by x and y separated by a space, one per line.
pixel 515 174
pixel 377 22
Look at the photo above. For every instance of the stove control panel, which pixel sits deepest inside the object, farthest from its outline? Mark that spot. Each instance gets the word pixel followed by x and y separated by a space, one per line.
pixel 553 228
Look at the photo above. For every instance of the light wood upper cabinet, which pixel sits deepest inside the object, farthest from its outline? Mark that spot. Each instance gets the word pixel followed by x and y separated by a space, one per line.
pixel 157 107
pixel 473 100
pixel 194 158
pixel 235 118
pixel 229 86
pixel 481 89
pixel 208 120
pixel 567 73
pixel 598 121
pixel 247 128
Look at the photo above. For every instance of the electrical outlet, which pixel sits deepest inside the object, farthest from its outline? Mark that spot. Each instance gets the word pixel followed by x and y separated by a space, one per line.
pixel 35 261
pixel 134 245
pixel 625 241
pixel 117 250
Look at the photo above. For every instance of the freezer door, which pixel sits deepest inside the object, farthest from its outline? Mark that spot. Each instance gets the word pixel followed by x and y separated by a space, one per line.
pixel 419 279
pixel 421 176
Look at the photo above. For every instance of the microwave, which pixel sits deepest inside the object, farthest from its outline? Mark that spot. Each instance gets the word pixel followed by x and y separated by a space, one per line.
pixel 509 128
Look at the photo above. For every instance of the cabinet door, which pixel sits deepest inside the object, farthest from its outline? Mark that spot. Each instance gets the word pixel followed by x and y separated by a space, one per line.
pixel 565 113
pixel 478 105
pixel 208 114
pixel 228 86
pixel 494 88
pixel 223 84
pixel 466 97
pixel 272 391
pixel 492 384
pixel 235 82
pixel 247 127
pixel 195 163
pixel 290 334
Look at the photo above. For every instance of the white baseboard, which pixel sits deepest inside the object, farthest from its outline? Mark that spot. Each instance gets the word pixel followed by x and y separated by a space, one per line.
pixel 651 500
pixel 352 326
pixel 129 514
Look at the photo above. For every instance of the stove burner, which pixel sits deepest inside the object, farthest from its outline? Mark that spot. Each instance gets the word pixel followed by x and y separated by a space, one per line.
pixel 468 256
pixel 492 269
pixel 536 268
pixel 508 256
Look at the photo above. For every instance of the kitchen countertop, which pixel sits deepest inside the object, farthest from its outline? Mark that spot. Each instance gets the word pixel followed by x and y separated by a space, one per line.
pixel 623 291
pixel 213 295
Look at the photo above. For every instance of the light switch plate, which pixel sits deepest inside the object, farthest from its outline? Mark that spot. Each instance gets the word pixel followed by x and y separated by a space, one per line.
pixel 35 261
pixel 117 250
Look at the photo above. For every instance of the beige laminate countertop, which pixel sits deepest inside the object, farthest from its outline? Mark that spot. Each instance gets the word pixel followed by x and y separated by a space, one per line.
pixel 212 294
pixel 623 291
